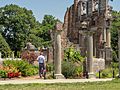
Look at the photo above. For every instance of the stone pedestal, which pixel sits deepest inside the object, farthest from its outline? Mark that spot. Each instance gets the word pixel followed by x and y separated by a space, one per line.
pixel 59 76
pixel 91 75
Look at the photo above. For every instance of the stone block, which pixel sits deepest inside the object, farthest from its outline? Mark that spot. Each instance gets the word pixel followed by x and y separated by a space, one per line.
pixel 59 76
pixel 98 64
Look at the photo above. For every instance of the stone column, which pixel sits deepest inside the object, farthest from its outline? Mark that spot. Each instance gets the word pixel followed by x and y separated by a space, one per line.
pixel 90 56
pixel 94 45
pixel 58 74
pixel 58 54
pixel 108 38
pixel 104 34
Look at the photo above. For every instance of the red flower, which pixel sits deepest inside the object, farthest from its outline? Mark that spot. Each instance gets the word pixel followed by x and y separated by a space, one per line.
pixel 16 74
pixel 10 74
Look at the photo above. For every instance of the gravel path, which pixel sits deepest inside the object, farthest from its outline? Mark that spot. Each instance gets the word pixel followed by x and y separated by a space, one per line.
pixel 36 79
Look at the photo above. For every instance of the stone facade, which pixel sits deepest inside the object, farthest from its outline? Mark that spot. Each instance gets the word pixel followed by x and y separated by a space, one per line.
pixel 96 13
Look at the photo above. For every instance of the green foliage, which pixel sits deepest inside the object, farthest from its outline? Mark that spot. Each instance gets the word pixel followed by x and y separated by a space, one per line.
pixel 71 70
pixel 49 67
pixel 72 55
pixel 79 71
pixel 114 33
pixel 16 24
pixel 114 56
pixel 115 65
pixel 106 73
pixel 68 69
pixel 48 24
pixel 50 70
pixel 24 67
pixel 19 26
pixel 72 66
pixel 4 47
pixel 3 74
pixel 35 40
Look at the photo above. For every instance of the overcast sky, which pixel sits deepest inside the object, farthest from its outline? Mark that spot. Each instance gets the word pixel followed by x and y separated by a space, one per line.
pixel 56 8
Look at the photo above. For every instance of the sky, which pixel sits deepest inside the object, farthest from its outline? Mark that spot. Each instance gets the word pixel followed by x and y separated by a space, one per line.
pixel 57 8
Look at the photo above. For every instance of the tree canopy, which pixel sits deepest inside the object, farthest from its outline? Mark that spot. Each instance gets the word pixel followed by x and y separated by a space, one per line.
pixel 48 24
pixel 19 26
pixel 16 23
pixel 114 32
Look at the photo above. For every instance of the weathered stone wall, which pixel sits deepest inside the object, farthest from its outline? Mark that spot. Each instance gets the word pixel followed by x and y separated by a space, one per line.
pixel 97 16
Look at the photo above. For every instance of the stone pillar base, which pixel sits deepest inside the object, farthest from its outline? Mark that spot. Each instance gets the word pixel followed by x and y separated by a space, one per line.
pixel 91 75
pixel 59 76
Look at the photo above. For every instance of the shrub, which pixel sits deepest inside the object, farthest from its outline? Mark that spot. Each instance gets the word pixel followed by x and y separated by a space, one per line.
pixel 24 67
pixel 4 47
pixel 72 55
pixel 3 74
pixel 72 66
pixel 71 70
pixel 79 71
pixel 115 65
pixel 68 69
pixel 29 56
pixel 107 73
pixel 9 72
pixel 49 67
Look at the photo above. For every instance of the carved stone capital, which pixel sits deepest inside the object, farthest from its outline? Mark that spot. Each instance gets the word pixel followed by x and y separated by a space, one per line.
pixel 58 27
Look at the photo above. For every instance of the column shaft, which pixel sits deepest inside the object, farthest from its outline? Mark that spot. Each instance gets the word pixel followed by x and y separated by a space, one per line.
pixel 90 57
pixel 108 38
pixel 104 35
pixel 58 54
pixel 90 53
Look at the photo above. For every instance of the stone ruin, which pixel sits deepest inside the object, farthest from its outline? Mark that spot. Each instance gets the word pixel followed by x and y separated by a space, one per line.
pixel 29 46
pixel 30 53
pixel 87 26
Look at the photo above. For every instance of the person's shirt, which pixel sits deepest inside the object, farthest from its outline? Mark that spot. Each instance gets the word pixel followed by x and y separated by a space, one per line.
pixel 41 59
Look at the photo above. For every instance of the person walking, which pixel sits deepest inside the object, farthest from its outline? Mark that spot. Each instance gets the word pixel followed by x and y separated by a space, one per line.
pixel 42 65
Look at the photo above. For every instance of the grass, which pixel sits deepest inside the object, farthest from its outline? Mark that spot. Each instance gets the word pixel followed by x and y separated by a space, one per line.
pixel 110 85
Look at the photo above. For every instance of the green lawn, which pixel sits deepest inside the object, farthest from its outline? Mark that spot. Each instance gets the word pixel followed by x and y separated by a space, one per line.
pixel 111 85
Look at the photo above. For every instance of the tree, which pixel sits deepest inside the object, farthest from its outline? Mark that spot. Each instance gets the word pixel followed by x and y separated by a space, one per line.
pixel 17 24
pixel 48 24
pixel 4 47
pixel 114 33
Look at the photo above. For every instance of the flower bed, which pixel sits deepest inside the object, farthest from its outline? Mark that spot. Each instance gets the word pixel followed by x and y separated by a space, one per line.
pixel 17 68
pixel 9 72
